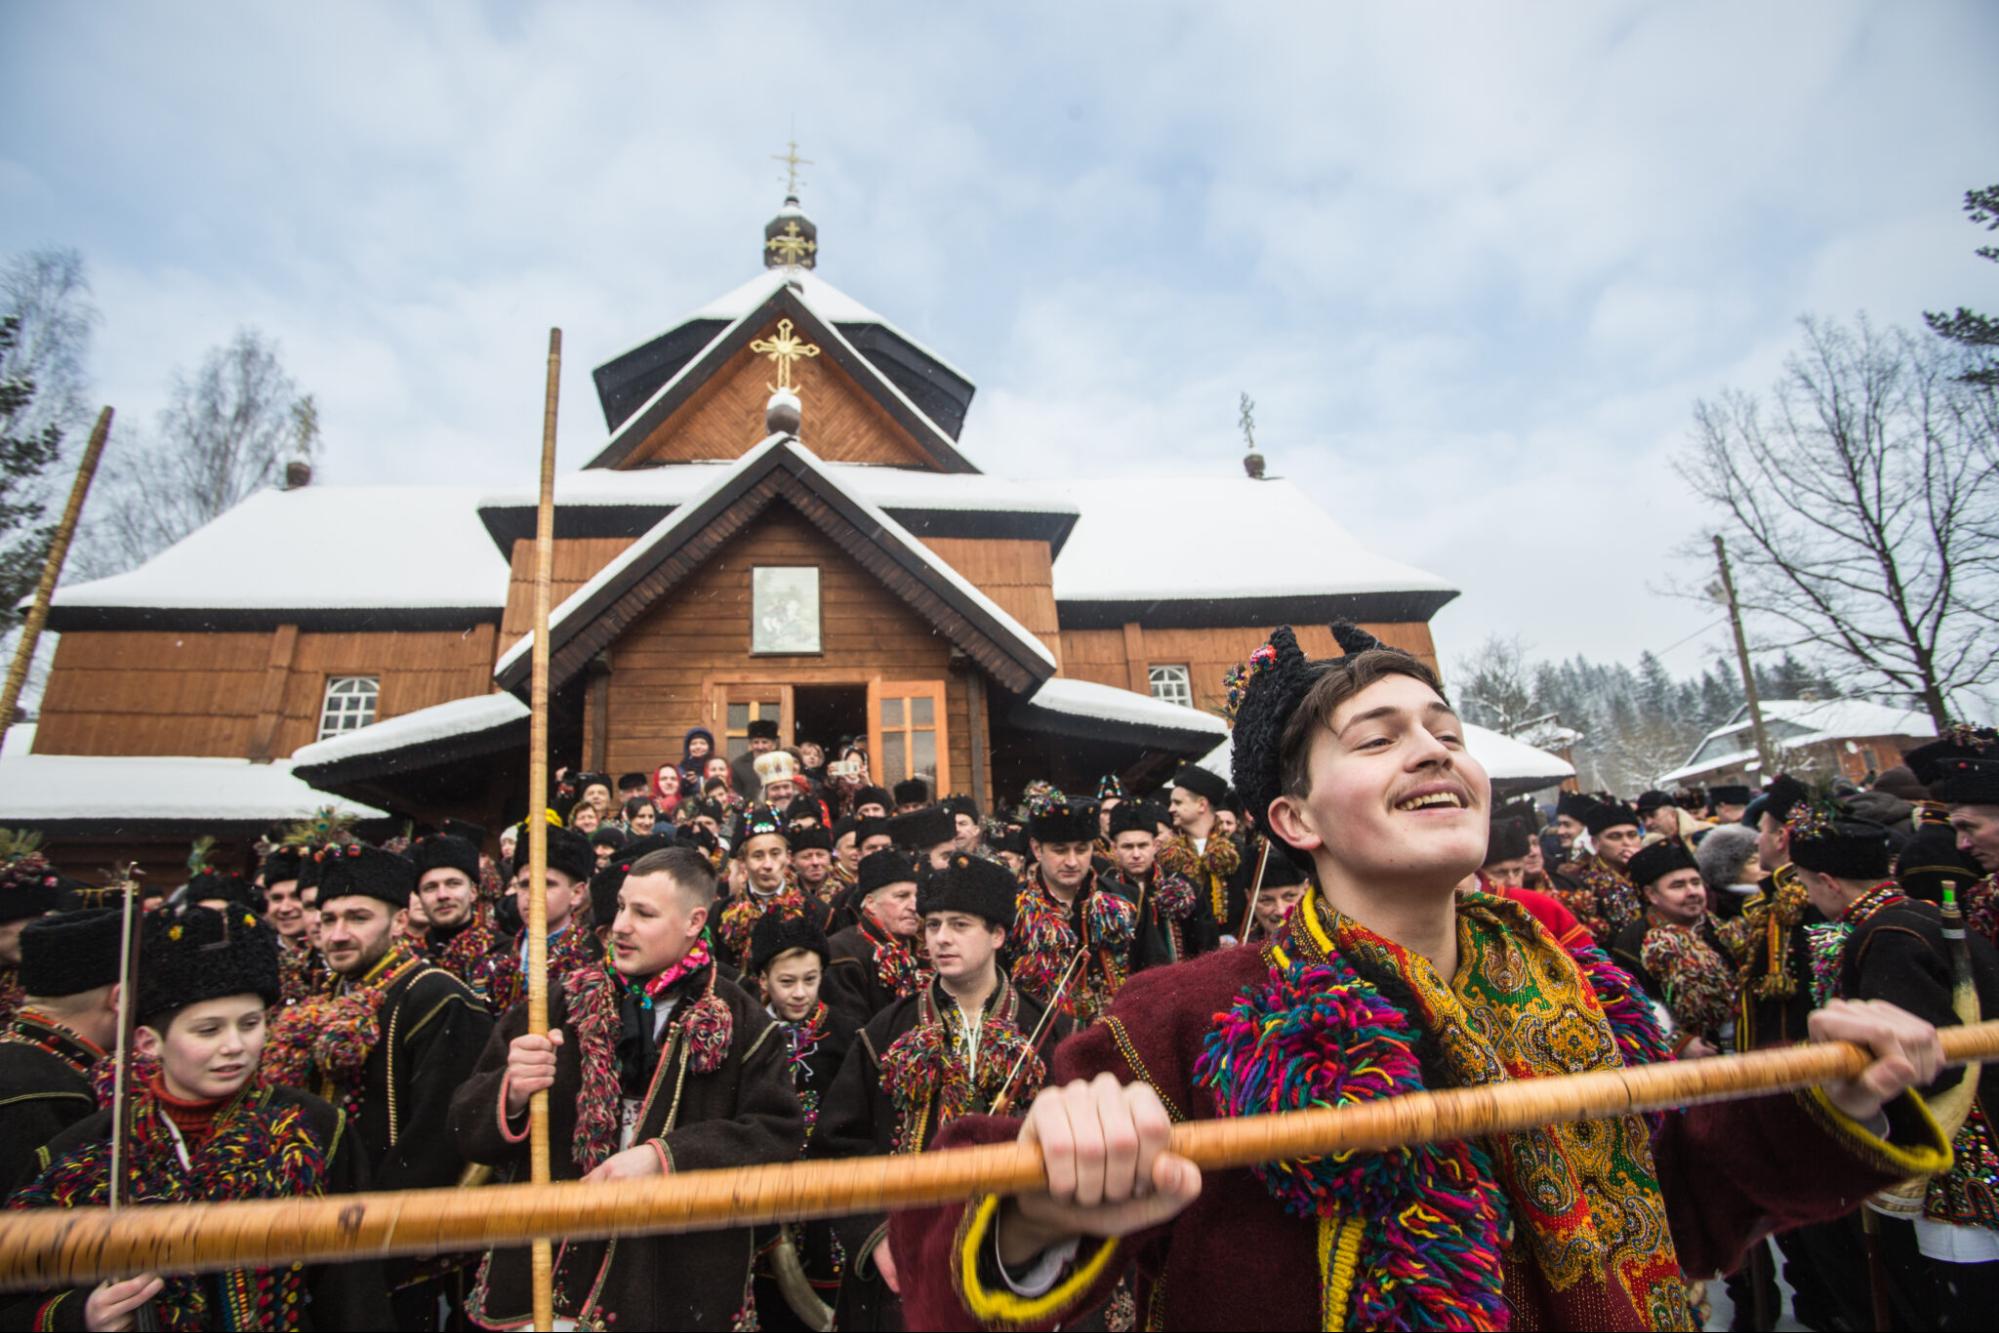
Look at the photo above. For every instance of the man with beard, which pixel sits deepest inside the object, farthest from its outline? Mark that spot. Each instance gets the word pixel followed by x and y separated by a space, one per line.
pixel 1071 934
pixel 1174 918
pixel 875 962
pixel 812 862
pixel 463 939
pixel 654 1064
pixel 388 1042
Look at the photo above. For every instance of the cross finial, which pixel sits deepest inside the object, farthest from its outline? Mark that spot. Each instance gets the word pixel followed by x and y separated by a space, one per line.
pixel 784 349
pixel 792 162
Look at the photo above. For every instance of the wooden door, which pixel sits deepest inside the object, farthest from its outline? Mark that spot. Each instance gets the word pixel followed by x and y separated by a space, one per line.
pixel 906 733
pixel 733 705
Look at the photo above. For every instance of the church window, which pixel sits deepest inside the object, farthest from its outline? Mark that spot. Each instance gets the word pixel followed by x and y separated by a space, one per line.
pixel 349 704
pixel 1172 684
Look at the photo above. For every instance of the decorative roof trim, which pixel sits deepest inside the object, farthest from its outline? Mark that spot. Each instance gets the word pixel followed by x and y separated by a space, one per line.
pixel 630 586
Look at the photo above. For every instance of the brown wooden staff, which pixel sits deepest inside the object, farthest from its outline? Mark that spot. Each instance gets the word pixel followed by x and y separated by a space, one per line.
pixel 541 1263
pixel 1040 1034
pixel 1255 893
pixel 55 1248
pixel 38 613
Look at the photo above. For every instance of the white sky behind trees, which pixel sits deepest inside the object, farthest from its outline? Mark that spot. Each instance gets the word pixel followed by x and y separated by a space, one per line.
pixel 1473 264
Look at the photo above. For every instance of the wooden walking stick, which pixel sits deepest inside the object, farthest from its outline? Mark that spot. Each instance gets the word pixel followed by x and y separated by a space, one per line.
pixel 38 613
pixel 1040 1033
pixel 1255 892
pixel 541 1256
pixel 50 1248
pixel 121 1048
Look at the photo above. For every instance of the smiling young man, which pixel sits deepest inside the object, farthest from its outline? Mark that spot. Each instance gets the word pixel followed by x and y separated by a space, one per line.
pixel 654 1064
pixel 388 1042
pixel 1384 981
pixel 1675 952
pixel 942 1052
pixel 1198 849
pixel 1175 920
pixel 762 849
pixel 463 939
pixel 1067 924
pixel 203 1129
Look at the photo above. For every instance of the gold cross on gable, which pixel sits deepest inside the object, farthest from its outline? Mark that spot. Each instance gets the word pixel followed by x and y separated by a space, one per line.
pixel 792 162
pixel 790 247
pixel 784 349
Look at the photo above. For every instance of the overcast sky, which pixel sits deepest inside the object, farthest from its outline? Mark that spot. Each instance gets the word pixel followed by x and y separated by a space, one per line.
pixel 1474 264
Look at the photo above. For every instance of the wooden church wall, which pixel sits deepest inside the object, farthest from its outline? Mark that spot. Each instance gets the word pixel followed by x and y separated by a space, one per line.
pixel 725 417
pixel 1121 657
pixel 663 667
pixel 577 560
pixel 254 694
pixel 1016 573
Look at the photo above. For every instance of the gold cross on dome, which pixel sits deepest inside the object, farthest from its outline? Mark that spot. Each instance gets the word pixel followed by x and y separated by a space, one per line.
pixel 792 162
pixel 790 247
pixel 784 349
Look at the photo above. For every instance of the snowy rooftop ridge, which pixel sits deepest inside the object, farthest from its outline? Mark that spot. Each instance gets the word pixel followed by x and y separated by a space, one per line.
pixel 43 788
pixel 425 726
pixel 1302 550
pixel 321 548
pixel 881 484
pixel 1806 722
pixel 1109 703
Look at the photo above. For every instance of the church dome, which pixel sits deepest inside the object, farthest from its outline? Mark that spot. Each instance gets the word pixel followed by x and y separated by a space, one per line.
pixel 791 240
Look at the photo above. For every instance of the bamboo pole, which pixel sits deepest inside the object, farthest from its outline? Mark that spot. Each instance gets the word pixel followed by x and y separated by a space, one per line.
pixel 51 1248
pixel 38 613
pixel 541 1256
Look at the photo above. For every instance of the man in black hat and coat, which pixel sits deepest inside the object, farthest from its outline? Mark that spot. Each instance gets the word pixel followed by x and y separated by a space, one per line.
pixel 1675 952
pixel 389 1042
pixel 1593 884
pixel 1176 920
pixel 877 960
pixel 1961 769
pixel 957 1046
pixel 67 1022
pixel 1075 940
pixel 928 833
pixel 463 939
pixel 1201 852
pixel 743 768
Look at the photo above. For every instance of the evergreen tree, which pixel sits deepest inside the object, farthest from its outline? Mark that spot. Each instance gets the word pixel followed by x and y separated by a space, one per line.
pixel 1978 334
pixel 26 452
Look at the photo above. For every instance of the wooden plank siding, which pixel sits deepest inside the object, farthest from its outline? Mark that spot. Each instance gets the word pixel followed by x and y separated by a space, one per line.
pixel 1016 573
pixel 577 560
pixel 1122 656
pixel 664 665
pixel 725 417
pixel 162 692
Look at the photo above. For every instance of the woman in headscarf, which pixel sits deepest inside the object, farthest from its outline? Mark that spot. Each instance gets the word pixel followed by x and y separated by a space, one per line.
pixel 666 790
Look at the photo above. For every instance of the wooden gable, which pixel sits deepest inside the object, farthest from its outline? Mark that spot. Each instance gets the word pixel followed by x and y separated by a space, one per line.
pixel 724 418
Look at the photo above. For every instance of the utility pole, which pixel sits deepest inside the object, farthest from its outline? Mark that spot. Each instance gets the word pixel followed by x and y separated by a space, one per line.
pixel 1742 658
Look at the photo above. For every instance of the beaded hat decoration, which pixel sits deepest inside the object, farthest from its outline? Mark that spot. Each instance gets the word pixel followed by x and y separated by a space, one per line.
pixel 1110 787
pixel 1054 818
pixel 29 885
pixel 756 821
pixel 1831 841
pixel 1263 693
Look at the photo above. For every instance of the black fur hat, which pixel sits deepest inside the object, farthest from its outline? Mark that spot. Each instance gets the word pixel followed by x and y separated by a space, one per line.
pixel 442 851
pixel 1655 861
pixel 872 827
pixel 762 729
pixel 1827 839
pixel 1133 817
pixel 1930 859
pixel 882 868
pixel 1263 693
pixel 874 796
pixel 212 885
pixel 973 885
pixel 778 933
pixel 71 952
pixel 1607 815
pixel 1778 799
pixel 912 791
pixel 1203 783
pixel 802 807
pixel 810 837
pixel 1507 842
pixel 1961 767
pixel 961 805
pixel 1056 818
pixel 358 870
pixel 923 829
pixel 1573 805
pixel 283 864
pixel 202 954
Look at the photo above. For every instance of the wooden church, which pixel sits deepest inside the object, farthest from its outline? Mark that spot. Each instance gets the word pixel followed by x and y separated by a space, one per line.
pixel 780 524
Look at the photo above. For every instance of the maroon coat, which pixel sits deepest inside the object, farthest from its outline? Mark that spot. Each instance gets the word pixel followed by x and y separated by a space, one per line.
pixel 1234 1259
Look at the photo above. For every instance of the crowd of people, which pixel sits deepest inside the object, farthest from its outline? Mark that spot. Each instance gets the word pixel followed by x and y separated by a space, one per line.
pixel 766 957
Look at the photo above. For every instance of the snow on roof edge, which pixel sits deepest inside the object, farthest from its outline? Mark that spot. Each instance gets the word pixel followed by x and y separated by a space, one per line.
pixel 455 717
pixel 37 788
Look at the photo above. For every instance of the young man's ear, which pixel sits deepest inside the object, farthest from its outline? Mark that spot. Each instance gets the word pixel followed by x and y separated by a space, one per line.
pixel 696 919
pixel 1292 822
pixel 147 1042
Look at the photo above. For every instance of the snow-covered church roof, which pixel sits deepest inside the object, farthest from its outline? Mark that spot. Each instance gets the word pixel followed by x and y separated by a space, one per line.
pixel 317 548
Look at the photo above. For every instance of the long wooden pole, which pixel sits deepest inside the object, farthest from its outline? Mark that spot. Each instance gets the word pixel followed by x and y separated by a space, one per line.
pixel 38 613
pixel 51 1248
pixel 541 1257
